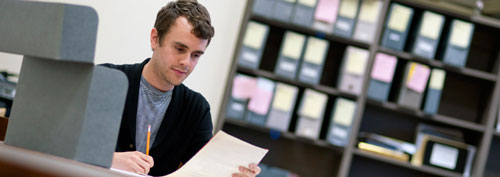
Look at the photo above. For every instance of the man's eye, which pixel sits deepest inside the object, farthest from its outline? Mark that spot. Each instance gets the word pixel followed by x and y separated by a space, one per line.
pixel 179 49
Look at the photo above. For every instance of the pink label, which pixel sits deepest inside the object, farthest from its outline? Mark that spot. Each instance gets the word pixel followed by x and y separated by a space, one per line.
pixel 260 101
pixel 327 11
pixel 418 80
pixel 384 67
pixel 244 87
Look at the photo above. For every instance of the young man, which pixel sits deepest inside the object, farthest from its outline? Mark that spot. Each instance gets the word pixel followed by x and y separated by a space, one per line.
pixel 179 117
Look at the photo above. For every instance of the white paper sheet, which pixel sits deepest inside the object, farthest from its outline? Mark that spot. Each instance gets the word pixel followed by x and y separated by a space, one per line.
pixel 221 157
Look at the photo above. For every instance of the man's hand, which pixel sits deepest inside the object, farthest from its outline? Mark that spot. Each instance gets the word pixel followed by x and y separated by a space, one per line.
pixel 134 161
pixel 252 171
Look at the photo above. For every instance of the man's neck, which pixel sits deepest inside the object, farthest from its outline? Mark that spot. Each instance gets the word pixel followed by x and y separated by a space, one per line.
pixel 153 77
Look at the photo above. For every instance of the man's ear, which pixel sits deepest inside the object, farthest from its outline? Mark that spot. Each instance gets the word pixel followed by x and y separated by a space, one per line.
pixel 154 39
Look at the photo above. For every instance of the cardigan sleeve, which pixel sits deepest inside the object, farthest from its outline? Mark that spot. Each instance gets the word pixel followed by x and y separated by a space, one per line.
pixel 203 133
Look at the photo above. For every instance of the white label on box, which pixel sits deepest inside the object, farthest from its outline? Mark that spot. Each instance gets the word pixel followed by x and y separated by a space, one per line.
pixel 444 156
pixel 425 46
pixel 339 132
pixel 237 107
pixel 251 57
pixel 343 25
pixel 309 72
pixel 287 66
pixel 394 37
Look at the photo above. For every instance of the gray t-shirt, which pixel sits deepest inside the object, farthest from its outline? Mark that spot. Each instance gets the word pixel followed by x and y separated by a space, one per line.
pixel 151 109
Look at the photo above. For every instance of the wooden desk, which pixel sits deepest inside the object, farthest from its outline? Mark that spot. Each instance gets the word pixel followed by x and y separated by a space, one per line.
pixel 26 163
pixel 3 127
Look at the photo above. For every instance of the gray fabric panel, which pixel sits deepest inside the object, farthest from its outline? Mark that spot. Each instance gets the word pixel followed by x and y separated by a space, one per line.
pixel 68 109
pixel 103 114
pixel 49 107
pixel 48 30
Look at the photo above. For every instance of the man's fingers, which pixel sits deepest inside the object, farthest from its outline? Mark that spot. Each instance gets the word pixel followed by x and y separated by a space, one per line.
pixel 246 171
pixel 145 166
pixel 136 167
pixel 147 159
pixel 254 168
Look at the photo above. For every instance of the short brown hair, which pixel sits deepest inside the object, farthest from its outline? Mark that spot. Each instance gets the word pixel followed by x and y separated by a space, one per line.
pixel 196 14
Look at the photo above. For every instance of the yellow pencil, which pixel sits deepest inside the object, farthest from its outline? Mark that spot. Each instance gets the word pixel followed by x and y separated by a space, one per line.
pixel 148 139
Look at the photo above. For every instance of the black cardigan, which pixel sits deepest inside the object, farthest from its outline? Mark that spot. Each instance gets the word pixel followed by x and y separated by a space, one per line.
pixel 185 129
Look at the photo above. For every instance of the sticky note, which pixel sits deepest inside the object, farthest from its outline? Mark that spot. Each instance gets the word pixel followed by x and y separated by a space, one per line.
pixel 369 11
pixel 384 67
pixel 326 11
pixel 437 79
pixel 417 77
pixel 243 86
pixel 261 99
pixel 313 104
pixel 461 33
pixel 431 25
pixel 349 8
pixel 316 50
pixel 284 97
pixel 309 3
pixel 344 112
pixel 400 16
pixel 294 43
pixel 255 35
pixel 356 60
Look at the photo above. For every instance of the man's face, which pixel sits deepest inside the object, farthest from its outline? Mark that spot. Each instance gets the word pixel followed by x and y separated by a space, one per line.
pixel 178 54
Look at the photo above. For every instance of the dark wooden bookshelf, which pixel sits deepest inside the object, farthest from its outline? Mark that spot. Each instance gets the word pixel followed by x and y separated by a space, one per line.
pixel 419 113
pixel 309 31
pixel 269 75
pixel 439 64
pixel 408 165
pixel 287 135
pixel 469 100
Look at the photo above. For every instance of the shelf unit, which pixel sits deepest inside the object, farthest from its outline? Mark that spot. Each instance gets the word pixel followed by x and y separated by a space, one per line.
pixel 469 102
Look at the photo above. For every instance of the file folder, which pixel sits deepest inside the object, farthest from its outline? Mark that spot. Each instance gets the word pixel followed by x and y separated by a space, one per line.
pixel 253 45
pixel 434 91
pixel 397 27
pixel 340 126
pixel 258 107
pixel 311 114
pixel 313 60
pixel 412 89
pixel 325 16
pixel 366 25
pixel 353 69
pixel 282 107
pixel 243 88
pixel 457 47
pixel 381 76
pixel 348 12
pixel 304 13
pixel 283 10
pixel 428 36
pixel 290 54
pixel 263 7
